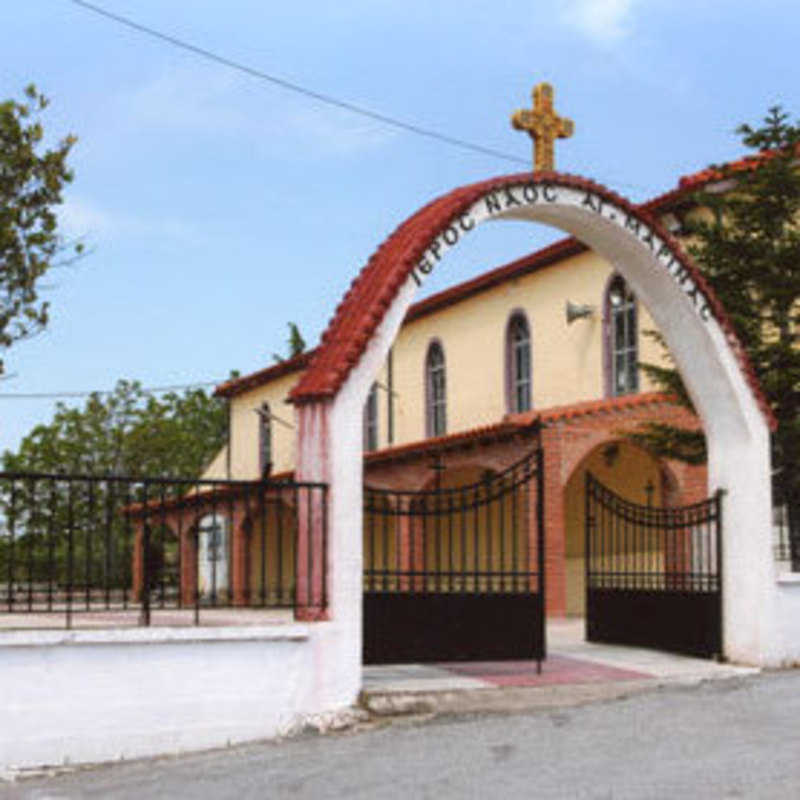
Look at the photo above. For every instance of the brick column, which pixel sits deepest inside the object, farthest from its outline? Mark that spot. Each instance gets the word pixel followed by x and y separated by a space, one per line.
pixel 188 545
pixel 240 588
pixel 403 533
pixel 554 523
pixel 137 566
pixel 311 602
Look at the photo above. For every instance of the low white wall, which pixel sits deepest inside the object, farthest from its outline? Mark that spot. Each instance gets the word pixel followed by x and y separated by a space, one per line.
pixel 788 614
pixel 86 696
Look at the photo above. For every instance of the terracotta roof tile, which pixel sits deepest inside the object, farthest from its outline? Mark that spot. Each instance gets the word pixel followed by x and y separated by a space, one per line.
pixel 255 379
pixel 593 407
pixel 480 434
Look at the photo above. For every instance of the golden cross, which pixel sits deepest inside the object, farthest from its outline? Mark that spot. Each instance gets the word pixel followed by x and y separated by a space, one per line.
pixel 543 125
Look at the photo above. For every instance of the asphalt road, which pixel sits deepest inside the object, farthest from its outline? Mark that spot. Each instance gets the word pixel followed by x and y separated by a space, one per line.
pixel 738 738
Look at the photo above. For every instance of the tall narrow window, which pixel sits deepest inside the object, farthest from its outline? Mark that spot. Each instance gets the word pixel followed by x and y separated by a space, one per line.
pixel 264 440
pixel 621 339
pixel 518 363
pixel 371 419
pixel 435 391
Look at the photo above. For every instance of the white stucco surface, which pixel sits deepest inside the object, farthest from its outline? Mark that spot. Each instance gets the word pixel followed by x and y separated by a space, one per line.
pixel 88 696
pixel 788 619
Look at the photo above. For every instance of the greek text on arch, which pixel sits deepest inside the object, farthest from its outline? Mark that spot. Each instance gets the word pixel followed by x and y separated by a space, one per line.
pixel 656 246
pixel 496 202
pixel 443 242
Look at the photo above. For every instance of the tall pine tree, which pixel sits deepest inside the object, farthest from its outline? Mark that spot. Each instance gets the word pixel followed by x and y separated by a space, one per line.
pixel 745 237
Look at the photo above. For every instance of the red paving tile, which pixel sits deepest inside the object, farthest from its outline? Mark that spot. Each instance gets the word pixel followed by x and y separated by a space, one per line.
pixel 555 670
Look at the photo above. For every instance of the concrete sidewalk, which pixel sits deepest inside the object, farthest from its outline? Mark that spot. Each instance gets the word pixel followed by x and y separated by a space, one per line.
pixel 574 672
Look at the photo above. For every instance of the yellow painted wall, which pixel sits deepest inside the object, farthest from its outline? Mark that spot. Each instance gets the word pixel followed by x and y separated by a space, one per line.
pixel 243 439
pixel 627 473
pixel 567 362
pixel 217 467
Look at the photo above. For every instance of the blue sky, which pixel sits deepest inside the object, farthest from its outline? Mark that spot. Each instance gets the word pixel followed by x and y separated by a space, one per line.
pixel 217 206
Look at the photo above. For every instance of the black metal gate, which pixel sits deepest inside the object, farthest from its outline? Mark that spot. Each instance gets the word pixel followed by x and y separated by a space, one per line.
pixel 456 574
pixel 653 575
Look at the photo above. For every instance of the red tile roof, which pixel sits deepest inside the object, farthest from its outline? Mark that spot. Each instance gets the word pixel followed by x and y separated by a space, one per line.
pixel 593 407
pixel 715 173
pixel 480 435
pixel 255 379
pixel 515 424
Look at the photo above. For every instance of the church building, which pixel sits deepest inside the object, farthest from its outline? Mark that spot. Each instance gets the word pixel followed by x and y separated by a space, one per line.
pixel 543 351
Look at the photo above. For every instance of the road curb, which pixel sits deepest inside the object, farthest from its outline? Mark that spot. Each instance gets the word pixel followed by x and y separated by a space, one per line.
pixel 510 699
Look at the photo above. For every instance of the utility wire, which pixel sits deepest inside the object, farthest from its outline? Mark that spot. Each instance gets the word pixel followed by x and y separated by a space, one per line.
pixel 295 87
pixel 57 395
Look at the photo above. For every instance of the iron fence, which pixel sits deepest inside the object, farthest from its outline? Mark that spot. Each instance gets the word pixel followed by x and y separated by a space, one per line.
pixel 473 539
pixel 114 551
pixel 632 546
pixel 786 536
pixel 653 574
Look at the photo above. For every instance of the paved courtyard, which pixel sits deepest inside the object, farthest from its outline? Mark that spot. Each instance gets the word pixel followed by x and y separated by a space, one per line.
pixel 570 660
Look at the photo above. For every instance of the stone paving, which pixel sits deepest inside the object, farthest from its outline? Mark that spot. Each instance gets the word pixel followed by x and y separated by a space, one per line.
pixel 570 661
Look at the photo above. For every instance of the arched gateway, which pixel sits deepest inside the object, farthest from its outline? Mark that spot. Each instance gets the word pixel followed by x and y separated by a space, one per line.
pixel 735 415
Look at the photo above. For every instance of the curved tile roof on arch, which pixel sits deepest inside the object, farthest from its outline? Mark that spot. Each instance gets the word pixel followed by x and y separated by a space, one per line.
pixel 374 289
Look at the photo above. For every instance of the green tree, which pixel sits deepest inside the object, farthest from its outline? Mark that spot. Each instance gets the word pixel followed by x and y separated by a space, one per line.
pixel 127 432
pixel 295 345
pixel 75 532
pixel 31 182
pixel 747 244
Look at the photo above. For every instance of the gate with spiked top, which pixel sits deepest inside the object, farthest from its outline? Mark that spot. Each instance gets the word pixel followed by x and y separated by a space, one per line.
pixel 456 574
pixel 653 576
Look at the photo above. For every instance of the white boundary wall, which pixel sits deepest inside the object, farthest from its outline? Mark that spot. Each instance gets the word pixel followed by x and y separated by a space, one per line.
pixel 90 696
pixel 788 614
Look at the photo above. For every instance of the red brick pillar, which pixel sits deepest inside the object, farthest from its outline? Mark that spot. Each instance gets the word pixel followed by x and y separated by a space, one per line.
pixel 554 524
pixel 311 593
pixel 137 566
pixel 240 585
pixel 188 545
pixel 404 543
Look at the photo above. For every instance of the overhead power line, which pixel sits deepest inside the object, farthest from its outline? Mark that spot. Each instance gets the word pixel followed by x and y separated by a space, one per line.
pixel 89 393
pixel 297 88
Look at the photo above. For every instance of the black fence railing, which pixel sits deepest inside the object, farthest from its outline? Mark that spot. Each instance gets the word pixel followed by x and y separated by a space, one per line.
pixel 112 551
pixel 456 573
pixel 786 535
pixel 472 539
pixel 632 546
pixel 653 574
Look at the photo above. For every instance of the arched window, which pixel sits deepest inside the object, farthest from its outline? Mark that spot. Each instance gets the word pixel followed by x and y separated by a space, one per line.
pixel 264 440
pixel 622 373
pixel 435 391
pixel 518 363
pixel 371 419
pixel 212 556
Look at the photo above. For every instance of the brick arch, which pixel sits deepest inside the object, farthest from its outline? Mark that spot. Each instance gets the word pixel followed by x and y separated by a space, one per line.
pixel 578 459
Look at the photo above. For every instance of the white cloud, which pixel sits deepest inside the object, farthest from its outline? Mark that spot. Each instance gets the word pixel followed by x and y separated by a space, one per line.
pixel 602 21
pixel 214 102
pixel 82 219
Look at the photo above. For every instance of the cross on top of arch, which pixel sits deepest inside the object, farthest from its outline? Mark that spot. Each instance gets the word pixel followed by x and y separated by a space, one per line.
pixel 543 125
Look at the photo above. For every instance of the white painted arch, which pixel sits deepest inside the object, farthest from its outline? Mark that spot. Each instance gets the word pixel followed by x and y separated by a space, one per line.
pixel 728 399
